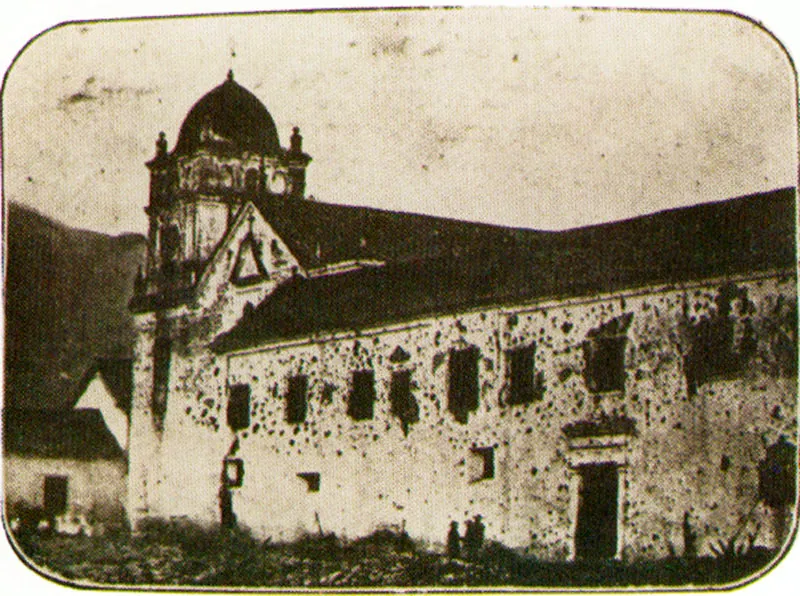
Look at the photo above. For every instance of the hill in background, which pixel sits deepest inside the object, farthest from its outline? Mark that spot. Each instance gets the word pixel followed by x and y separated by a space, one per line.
pixel 67 294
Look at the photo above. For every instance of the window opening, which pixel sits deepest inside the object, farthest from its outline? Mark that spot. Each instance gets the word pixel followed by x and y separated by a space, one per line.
pixel 482 463
pixel 605 364
pixel 721 343
pixel 170 250
pixel 525 385
pixel 238 412
pixel 312 480
pixel 249 267
pixel 251 180
pixel 403 404
pixel 604 353
pixel 162 354
pixel 362 396
pixel 463 390
pixel 296 399
pixel 55 495
pixel 234 472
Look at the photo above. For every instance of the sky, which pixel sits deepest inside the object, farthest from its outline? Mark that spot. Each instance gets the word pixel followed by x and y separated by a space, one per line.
pixel 547 119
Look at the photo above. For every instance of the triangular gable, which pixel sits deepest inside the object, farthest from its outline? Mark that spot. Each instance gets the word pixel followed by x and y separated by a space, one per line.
pixel 117 375
pixel 262 262
pixel 99 395
pixel 251 256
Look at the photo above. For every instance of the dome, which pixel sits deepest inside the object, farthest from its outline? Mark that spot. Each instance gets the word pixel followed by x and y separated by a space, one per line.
pixel 229 119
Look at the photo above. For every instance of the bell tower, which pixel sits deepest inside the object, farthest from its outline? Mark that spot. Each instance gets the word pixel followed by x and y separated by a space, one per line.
pixel 228 152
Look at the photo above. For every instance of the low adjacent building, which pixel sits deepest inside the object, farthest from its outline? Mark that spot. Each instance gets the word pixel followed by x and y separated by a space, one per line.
pixel 64 470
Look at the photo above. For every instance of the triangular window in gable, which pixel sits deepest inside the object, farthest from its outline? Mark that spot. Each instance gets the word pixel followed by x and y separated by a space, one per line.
pixel 248 268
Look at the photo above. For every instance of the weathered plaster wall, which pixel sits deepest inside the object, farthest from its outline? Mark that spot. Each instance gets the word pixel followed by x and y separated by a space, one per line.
pixel 173 461
pixel 142 461
pixel 95 489
pixel 694 450
pixel 173 456
pixel 211 223
pixel 220 299
pixel 220 174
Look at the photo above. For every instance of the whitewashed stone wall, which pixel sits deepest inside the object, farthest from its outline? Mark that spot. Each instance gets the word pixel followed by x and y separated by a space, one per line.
pixel 694 452
pixel 95 488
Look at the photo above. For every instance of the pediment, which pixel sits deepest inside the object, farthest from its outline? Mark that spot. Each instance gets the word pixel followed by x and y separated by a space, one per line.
pixel 249 263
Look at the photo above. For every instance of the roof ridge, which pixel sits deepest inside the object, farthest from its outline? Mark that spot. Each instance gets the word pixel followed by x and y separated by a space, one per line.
pixel 443 218
pixel 746 234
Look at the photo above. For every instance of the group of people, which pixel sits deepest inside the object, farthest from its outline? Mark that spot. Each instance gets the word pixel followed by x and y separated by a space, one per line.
pixel 472 541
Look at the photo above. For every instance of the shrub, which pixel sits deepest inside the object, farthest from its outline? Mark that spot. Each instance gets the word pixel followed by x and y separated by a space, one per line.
pixel 383 540
pixel 192 538
pixel 315 546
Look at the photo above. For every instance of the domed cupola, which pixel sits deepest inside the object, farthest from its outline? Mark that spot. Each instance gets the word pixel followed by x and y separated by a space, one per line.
pixel 228 119
pixel 228 153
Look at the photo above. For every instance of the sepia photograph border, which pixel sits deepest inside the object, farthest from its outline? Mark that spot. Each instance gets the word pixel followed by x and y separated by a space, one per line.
pixel 781 574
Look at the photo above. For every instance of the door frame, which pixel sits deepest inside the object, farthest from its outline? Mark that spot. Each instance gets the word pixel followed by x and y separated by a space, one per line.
pixel 578 484
pixel 612 450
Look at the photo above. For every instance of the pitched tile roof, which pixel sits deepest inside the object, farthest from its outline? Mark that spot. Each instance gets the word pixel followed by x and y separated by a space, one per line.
pixel 324 233
pixel 442 266
pixel 71 434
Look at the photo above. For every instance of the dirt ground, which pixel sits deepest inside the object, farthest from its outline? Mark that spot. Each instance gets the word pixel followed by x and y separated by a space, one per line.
pixel 193 557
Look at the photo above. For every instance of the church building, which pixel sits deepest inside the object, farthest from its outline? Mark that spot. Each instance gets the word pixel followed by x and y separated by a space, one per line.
pixel 615 391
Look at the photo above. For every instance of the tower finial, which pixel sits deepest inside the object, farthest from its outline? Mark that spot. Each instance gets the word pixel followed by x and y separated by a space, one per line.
pixel 296 141
pixel 230 74
pixel 161 144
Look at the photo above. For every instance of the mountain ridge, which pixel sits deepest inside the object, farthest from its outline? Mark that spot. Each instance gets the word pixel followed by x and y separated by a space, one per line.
pixel 67 293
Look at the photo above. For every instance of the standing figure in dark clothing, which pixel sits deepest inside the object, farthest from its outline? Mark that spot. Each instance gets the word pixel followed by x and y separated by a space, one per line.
pixel 453 541
pixel 473 537
pixel 689 537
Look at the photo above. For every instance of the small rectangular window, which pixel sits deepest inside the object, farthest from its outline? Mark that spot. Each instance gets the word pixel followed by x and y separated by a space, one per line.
pixel 482 463
pixel 605 363
pixel 312 480
pixel 463 384
pixel 296 399
pixel 362 396
pixel 525 385
pixel 403 404
pixel 55 495
pixel 239 407
pixel 234 471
